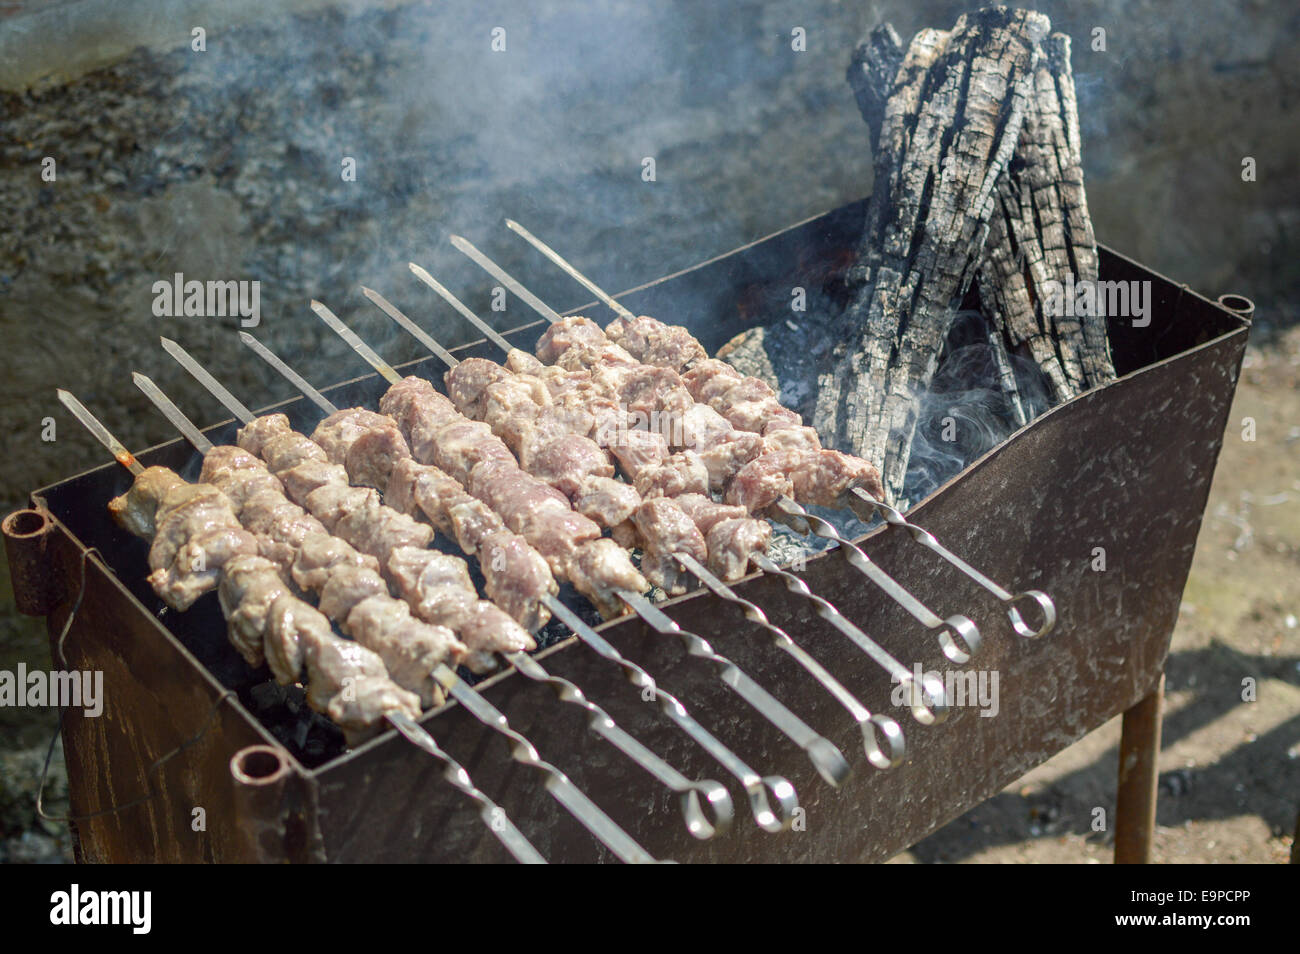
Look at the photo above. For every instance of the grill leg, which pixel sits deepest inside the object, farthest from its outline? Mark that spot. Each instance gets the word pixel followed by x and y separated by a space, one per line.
pixel 1139 753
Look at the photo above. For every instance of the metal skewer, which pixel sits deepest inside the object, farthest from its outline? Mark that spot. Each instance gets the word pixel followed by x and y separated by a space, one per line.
pixel 706 805
pixel 868 724
pixel 826 758
pixel 861 502
pixel 861 715
pixel 453 772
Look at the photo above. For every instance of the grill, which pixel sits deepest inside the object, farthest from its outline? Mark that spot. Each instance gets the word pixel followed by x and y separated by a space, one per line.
pixel 1126 468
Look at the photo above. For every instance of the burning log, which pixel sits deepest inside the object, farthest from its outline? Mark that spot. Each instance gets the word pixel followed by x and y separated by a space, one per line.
pixel 1040 234
pixel 949 126
pixel 977 168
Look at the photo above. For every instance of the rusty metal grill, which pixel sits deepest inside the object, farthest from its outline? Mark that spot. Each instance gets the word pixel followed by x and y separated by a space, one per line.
pixel 1126 467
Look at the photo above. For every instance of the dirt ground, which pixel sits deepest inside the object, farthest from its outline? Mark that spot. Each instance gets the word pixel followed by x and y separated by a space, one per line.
pixel 1229 769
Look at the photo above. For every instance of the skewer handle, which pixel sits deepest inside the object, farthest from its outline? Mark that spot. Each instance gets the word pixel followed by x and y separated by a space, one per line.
pixel 700 823
pixel 757 788
pixel 928 703
pixel 587 812
pixel 868 724
pixel 863 504
pixel 795 516
pixel 491 813
pixel 825 757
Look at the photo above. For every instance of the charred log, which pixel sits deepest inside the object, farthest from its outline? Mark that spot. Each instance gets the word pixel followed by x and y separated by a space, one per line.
pixel 1041 234
pixel 950 123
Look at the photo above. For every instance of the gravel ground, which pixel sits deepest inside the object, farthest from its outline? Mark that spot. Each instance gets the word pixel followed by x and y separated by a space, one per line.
pixel 225 164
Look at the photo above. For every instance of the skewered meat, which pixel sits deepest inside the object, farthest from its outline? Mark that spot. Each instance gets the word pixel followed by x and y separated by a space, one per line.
pixel 197 532
pixel 668 531
pixel 599 569
pixel 477 459
pixel 565 333
pixel 823 477
pixel 299 481
pixel 410 649
pixel 438 587
pixel 320 553
pixel 248 587
pixel 253 436
pixel 607 501
pixel 731 542
pixel 135 509
pixel 279 524
pixel 706 513
pixel 680 473
pixel 373 528
pixel 370 458
pixel 332 502
pixel 637 450
pixel 339 430
pixel 346 681
pixel 467 384
pixel 516 575
pixel 723 459
pixel 567 462
pixel 346 587
pixel 653 342
pixel 265 620
pixel 762 481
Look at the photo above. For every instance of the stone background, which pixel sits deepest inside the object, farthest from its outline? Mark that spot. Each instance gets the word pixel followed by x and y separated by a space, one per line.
pixel 225 164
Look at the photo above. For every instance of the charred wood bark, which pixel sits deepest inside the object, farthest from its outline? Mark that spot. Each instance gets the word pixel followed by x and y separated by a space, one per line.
pixel 1041 234
pixel 949 125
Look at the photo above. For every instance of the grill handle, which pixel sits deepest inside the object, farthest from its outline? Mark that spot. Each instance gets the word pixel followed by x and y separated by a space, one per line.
pixel 28 534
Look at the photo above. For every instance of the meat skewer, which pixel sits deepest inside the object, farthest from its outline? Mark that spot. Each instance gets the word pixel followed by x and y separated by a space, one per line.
pixel 788 459
pixel 826 758
pixel 694 795
pixel 348 448
pixel 757 788
pixel 868 723
pixel 557 784
pixel 331 663
pixel 862 503
pixel 922 712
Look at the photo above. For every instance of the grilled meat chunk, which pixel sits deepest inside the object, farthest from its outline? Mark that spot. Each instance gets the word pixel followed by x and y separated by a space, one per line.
pixel 411 649
pixel 599 568
pixel 135 509
pixel 248 587
pixel 668 531
pixel 300 480
pixel 320 553
pixel 730 543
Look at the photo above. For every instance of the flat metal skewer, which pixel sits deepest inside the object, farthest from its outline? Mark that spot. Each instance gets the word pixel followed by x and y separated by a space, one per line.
pixel 453 772
pixel 569 270
pixel 869 724
pixel 826 758
pixel 962 625
pixel 706 804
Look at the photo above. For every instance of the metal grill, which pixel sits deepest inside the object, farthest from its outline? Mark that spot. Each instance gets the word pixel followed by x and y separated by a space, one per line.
pixel 1126 467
